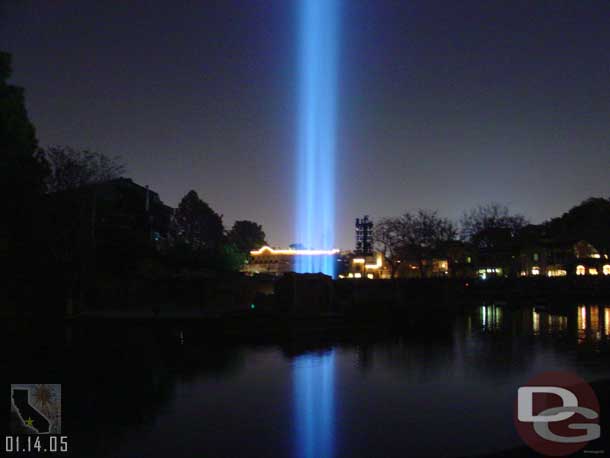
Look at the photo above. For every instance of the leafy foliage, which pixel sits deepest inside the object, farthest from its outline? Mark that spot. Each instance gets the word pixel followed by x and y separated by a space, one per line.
pixel 588 221
pixel 247 235
pixel 196 224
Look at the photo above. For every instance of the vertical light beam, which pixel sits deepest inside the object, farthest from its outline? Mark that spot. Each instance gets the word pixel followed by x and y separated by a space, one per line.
pixel 315 174
pixel 314 386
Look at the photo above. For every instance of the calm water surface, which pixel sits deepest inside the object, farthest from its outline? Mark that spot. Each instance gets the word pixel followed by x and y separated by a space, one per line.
pixel 446 390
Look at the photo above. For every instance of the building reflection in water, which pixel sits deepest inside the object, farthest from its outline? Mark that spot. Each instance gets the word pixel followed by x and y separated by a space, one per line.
pixel 548 323
pixel 491 317
pixel 314 408
pixel 592 322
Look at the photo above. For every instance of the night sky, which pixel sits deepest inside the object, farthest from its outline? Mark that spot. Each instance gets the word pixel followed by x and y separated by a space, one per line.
pixel 442 105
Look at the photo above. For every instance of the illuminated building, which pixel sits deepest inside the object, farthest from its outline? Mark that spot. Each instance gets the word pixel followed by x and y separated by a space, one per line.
pixel 488 272
pixel 267 260
pixel 367 267
pixel 560 259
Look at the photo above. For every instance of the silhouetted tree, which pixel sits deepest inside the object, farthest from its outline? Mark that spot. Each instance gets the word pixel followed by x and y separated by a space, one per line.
pixel 196 224
pixel 388 241
pixel 588 221
pixel 22 171
pixel 71 169
pixel 413 236
pixel 423 233
pixel 247 235
pixel 22 176
pixel 491 225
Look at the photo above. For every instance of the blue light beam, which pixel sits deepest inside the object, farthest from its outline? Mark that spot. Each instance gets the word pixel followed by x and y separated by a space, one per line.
pixel 314 402
pixel 317 113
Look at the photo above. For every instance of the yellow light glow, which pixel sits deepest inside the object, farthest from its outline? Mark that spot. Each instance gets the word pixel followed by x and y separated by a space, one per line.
pixel 557 273
pixel 370 276
pixel 377 265
pixel 606 269
pixel 594 317
pixel 593 271
pixel 536 270
pixel 350 275
pixel 582 317
pixel 358 261
pixel 580 270
pixel 357 275
pixel 291 252
pixel 595 256
pixel 535 321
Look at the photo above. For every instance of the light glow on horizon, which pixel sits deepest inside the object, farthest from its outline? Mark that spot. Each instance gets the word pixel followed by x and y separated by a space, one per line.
pixel 291 252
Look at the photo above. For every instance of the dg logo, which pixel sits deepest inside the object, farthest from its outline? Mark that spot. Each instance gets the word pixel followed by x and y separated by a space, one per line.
pixel 557 413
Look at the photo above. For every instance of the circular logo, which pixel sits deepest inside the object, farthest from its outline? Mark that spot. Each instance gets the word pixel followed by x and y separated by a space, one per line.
pixel 557 413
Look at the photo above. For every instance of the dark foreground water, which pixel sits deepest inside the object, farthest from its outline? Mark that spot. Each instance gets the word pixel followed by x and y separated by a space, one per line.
pixel 443 388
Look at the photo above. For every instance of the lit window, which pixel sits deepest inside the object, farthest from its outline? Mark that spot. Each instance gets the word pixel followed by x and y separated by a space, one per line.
pixel 580 270
pixel 606 269
pixel 350 275
pixel 593 271
pixel 468 259
pixel 370 276
pixel 358 275
pixel 536 270
pixel 536 257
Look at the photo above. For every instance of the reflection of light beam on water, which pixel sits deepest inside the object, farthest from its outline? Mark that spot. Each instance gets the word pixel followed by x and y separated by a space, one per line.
pixel 315 224
pixel 313 377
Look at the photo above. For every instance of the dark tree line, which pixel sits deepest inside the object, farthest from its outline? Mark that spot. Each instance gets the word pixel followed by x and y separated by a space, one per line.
pixel 419 235
pixel 47 234
pixel 412 235
pixel 198 234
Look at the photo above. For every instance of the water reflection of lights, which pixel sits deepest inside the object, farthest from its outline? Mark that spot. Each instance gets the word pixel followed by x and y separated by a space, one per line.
pixel 314 409
pixel 593 322
pixel 544 322
pixel 491 317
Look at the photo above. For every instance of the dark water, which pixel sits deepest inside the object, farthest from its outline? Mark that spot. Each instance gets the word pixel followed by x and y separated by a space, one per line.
pixel 445 388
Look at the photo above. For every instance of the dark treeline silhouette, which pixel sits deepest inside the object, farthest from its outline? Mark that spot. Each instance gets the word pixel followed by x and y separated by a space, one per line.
pixel 74 226
pixel 490 232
